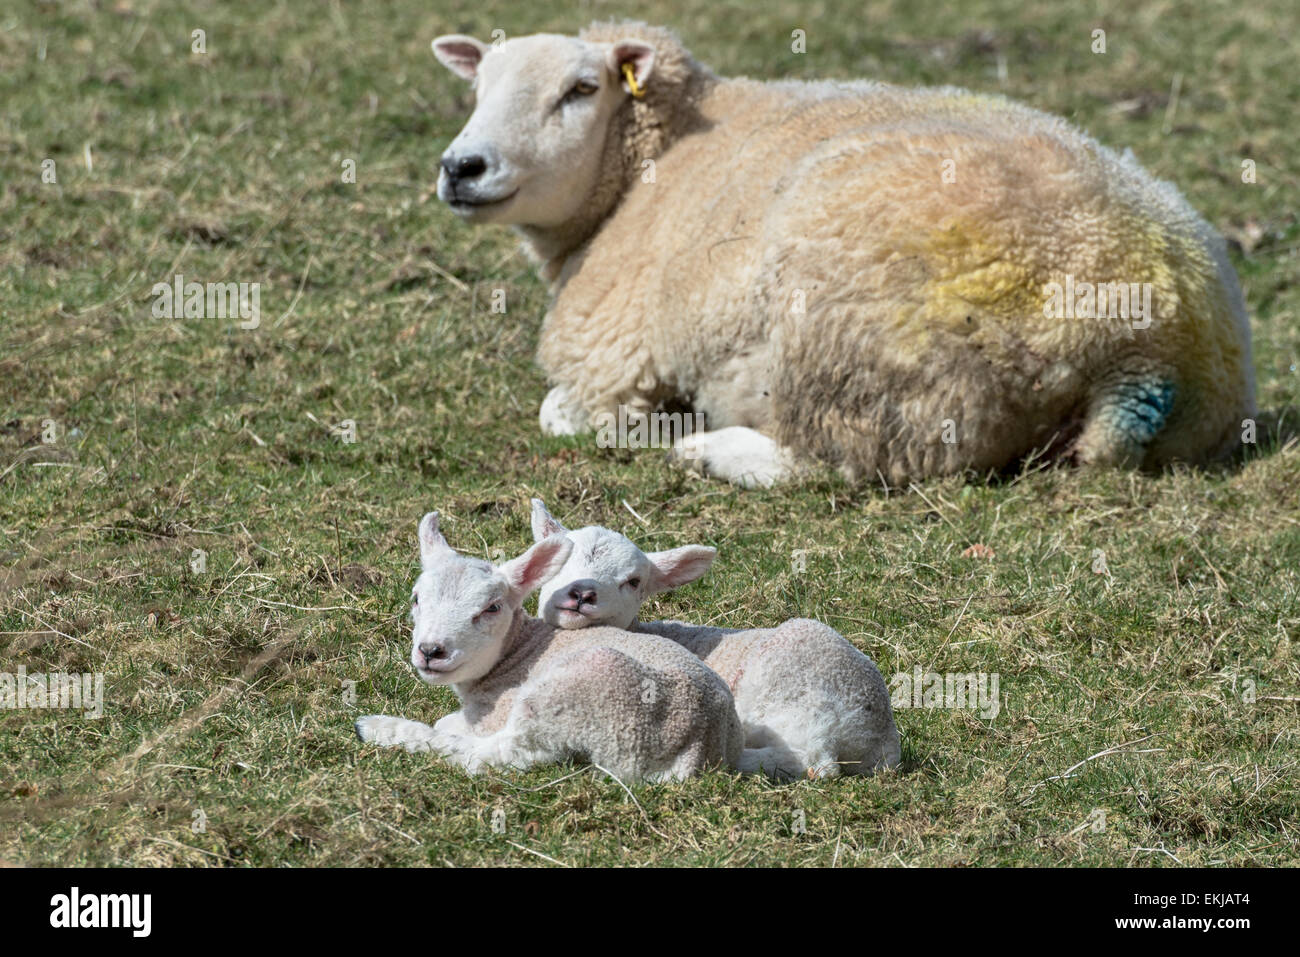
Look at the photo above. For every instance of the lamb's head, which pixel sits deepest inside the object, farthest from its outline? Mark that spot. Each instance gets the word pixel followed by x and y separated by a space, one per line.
pixel 463 608
pixel 606 577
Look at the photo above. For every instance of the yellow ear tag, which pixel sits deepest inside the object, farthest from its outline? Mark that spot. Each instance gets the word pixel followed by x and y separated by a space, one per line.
pixel 630 74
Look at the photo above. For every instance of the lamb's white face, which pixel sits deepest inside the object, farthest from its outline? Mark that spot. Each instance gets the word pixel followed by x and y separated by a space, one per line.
pixel 606 577
pixel 530 153
pixel 604 582
pixel 462 607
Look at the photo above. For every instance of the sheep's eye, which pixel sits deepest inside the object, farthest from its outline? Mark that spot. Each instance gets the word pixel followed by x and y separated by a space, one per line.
pixel 581 88
pixel 634 582
pixel 493 608
pixel 415 599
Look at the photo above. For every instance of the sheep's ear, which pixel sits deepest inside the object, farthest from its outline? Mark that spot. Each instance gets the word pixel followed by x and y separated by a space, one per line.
pixel 677 566
pixel 539 564
pixel 431 541
pixel 460 54
pixel 640 56
pixel 544 523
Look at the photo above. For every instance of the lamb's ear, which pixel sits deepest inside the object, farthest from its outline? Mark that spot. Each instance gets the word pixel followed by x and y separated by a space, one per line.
pixel 640 56
pixel 539 564
pixel 677 566
pixel 460 54
pixel 544 523
pixel 431 541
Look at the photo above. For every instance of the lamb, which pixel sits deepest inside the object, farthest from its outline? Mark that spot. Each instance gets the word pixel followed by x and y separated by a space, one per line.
pixel 899 282
pixel 637 706
pixel 811 704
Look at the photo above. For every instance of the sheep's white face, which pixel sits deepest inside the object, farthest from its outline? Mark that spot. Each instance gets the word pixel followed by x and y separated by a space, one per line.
pixel 462 608
pixel 530 153
pixel 606 577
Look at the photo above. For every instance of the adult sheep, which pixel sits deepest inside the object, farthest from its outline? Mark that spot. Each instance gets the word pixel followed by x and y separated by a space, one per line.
pixel 900 282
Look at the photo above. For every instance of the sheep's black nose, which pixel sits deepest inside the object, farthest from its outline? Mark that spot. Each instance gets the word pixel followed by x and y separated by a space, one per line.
pixel 432 650
pixel 463 167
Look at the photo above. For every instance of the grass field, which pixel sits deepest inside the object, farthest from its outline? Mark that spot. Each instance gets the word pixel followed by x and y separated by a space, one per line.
pixel 227 733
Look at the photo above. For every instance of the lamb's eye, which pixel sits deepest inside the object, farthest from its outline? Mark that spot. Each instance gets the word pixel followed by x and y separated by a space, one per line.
pixel 415 599
pixel 493 608
pixel 634 582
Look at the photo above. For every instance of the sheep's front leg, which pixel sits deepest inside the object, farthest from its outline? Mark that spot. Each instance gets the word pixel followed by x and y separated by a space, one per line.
pixel 562 415
pixel 388 732
pixel 506 748
pixel 534 732
pixel 453 725
pixel 456 737
pixel 740 455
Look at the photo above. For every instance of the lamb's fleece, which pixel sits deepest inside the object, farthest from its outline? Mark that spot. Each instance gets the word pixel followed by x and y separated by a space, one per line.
pixel 633 704
pixel 798 265
pixel 810 703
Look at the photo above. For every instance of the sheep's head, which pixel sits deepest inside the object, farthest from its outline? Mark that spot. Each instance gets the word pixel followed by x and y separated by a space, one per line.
pixel 606 577
pixel 532 151
pixel 463 607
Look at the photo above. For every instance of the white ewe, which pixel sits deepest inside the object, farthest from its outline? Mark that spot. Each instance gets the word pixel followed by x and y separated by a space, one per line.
pixel 637 706
pixel 899 282
pixel 809 701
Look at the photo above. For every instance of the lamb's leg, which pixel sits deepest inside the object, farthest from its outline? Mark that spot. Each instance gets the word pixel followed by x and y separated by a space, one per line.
pixel 451 738
pixel 457 740
pixel 390 732
pixel 777 763
pixel 473 754
pixel 740 455
pixel 514 746
pixel 823 766
pixel 562 415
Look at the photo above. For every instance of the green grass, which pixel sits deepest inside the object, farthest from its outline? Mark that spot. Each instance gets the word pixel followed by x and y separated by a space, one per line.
pixel 225 690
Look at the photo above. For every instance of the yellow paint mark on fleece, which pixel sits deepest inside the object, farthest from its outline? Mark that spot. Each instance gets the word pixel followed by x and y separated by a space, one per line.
pixel 967 265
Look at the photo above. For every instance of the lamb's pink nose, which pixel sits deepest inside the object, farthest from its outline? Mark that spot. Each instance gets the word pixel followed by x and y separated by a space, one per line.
pixel 583 593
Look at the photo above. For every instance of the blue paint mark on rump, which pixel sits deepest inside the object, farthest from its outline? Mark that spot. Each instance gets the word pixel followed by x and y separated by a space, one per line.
pixel 1142 408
